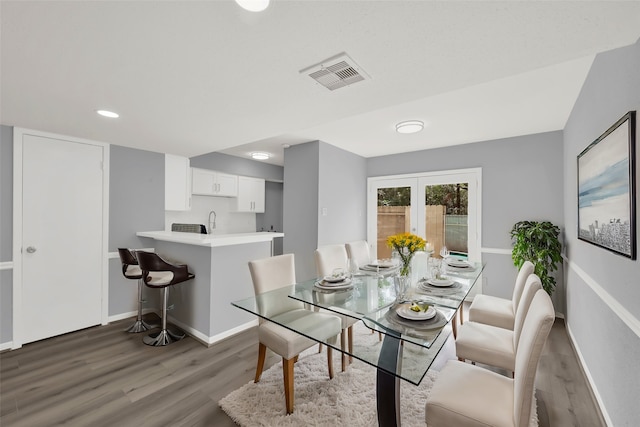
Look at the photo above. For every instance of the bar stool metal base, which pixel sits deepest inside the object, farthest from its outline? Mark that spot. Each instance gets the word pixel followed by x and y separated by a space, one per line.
pixel 140 326
pixel 164 337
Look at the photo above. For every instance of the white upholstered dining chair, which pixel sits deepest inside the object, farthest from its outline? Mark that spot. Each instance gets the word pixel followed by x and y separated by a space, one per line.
pixel 500 312
pixel 358 251
pixel 274 273
pixel 327 259
pixel 496 346
pixel 465 395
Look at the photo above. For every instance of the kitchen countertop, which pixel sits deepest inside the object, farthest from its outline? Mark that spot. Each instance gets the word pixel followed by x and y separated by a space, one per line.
pixel 210 240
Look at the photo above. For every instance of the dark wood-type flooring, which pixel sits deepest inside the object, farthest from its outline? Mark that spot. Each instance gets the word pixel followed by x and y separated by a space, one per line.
pixel 103 376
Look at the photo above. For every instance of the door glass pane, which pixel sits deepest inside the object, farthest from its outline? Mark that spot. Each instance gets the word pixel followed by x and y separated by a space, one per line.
pixel 446 220
pixel 394 216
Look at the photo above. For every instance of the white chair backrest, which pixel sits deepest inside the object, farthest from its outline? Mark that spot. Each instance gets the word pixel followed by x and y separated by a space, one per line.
pixel 330 257
pixel 524 272
pixel 531 287
pixel 273 273
pixel 535 331
pixel 359 251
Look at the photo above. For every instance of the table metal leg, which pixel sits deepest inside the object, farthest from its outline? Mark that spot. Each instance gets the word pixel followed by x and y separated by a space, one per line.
pixel 387 384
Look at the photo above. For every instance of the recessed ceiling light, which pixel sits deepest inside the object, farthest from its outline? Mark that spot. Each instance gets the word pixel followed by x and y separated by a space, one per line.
pixel 409 126
pixel 253 5
pixel 107 113
pixel 260 156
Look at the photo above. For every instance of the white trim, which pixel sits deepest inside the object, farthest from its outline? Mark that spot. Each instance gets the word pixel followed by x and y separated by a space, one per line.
pixel 6 265
pixel 585 369
pixel 6 346
pixel 18 134
pixel 207 340
pixel 629 319
pixel 122 316
pixel 498 251
pixel 116 255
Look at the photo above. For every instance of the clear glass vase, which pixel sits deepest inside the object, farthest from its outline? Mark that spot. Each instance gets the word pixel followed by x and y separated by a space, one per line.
pixel 402 284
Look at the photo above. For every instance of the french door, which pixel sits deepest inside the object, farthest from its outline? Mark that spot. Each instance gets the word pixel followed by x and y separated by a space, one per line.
pixel 442 207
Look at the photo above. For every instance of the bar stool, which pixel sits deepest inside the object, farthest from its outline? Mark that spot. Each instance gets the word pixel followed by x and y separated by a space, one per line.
pixel 131 270
pixel 162 276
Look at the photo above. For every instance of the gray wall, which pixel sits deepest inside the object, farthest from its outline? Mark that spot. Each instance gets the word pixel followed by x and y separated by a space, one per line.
pixel 521 180
pixel 6 232
pixel 136 203
pixel 603 289
pixel 238 166
pixel 300 202
pixel 342 190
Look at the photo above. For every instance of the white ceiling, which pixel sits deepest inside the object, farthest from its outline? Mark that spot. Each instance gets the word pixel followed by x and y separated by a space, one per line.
pixel 193 77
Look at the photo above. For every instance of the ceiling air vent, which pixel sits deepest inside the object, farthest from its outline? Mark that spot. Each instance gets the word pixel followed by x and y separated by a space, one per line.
pixel 336 72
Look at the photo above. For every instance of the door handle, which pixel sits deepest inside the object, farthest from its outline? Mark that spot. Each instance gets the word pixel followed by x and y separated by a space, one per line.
pixel 31 249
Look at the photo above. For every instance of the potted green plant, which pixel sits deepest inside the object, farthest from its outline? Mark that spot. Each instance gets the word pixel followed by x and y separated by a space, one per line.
pixel 537 241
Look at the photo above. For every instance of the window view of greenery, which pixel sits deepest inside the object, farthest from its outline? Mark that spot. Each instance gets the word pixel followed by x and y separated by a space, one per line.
pixel 453 196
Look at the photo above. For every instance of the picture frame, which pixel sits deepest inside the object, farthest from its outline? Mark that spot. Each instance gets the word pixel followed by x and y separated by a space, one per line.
pixel 606 189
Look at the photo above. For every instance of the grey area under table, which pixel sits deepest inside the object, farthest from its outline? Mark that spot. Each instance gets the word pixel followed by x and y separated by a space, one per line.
pixel 102 376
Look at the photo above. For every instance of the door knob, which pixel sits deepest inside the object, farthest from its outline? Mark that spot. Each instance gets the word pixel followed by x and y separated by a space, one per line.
pixel 31 249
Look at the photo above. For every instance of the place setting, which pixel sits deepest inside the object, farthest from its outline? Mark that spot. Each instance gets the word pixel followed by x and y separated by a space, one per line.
pixel 416 314
pixel 379 265
pixel 339 279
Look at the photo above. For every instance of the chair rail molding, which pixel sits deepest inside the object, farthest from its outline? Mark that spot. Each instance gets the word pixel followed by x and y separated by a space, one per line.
pixel 498 251
pixel 6 265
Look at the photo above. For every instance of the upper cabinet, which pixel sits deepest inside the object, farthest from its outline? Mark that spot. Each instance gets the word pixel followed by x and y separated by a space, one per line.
pixel 250 194
pixel 177 183
pixel 211 183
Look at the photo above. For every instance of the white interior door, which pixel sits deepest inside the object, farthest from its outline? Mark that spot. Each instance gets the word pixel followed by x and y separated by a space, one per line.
pixel 62 236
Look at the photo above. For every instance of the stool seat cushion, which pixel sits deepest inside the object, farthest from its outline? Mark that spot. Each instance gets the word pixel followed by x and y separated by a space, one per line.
pixel 492 311
pixel 159 278
pixel 465 396
pixel 289 344
pixel 133 272
pixel 486 344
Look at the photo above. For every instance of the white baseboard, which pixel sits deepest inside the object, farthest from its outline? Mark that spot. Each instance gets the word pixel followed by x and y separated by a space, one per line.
pixel 121 316
pixel 6 345
pixel 585 369
pixel 207 340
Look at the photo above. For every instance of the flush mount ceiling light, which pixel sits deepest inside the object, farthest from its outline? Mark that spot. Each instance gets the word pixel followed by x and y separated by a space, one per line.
pixel 409 126
pixel 107 113
pixel 260 156
pixel 253 5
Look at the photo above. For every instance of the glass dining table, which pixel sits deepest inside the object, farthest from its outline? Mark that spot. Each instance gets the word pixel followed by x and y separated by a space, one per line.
pixel 411 339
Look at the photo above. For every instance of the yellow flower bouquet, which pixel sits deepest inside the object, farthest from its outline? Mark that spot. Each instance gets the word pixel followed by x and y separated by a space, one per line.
pixel 406 244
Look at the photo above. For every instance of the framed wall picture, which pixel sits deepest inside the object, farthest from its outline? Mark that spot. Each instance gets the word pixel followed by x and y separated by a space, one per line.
pixel 606 193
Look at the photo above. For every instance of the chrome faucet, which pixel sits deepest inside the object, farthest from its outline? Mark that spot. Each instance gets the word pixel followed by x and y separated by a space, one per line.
pixel 212 224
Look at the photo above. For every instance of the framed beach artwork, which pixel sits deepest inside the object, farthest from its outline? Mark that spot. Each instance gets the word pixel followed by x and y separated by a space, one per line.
pixel 606 193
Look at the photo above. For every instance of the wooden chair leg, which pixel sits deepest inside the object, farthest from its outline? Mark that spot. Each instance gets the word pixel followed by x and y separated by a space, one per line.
pixel 295 359
pixel 350 335
pixel 343 357
pixel 454 325
pixel 461 311
pixel 380 336
pixel 287 370
pixel 262 351
pixel 330 361
pixel 319 348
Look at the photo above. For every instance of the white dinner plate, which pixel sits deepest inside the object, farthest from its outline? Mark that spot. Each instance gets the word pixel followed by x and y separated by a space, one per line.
pixel 458 263
pixel 382 264
pixel 334 279
pixel 441 283
pixel 406 313
pixel 346 283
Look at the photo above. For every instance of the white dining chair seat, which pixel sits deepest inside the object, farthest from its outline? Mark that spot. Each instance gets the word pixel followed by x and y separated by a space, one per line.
pixel 287 343
pixel 485 343
pixel 492 310
pixel 486 399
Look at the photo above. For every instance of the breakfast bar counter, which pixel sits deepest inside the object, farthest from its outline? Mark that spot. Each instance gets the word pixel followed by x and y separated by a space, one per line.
pixel 202 306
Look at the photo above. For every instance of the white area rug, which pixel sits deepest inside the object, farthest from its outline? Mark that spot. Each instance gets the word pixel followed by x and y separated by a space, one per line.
pixel 349 399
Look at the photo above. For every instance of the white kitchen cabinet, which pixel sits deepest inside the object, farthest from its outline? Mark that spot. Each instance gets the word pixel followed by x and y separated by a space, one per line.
pixel 177 183
pixel 250 194
pixel 211 183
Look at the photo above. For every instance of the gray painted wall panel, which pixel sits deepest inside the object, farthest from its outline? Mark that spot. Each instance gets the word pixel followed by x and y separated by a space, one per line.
pixel 6 306
pixel 610 348
pixel 238 166
pixel 6 193
pixel 342 190
pixel 300 201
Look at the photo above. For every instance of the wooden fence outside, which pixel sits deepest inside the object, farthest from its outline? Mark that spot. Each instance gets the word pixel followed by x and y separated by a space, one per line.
pixel 395 219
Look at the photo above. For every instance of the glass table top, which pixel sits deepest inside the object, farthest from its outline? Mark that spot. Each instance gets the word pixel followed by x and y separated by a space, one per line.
pixel 371 298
